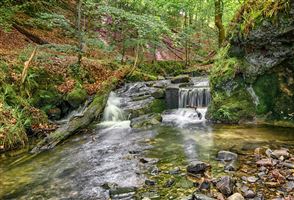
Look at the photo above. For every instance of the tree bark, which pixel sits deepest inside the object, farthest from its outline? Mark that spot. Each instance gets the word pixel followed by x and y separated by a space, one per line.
pixel 219 21
pixel 30 36
pixel 79 29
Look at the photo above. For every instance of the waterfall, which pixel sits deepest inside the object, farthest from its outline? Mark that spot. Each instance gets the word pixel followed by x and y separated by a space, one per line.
pixel 112 111
pixel 253 95
pixel 194 97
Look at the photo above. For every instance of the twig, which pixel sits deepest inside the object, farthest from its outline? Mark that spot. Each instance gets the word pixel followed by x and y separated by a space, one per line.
pixel 26 66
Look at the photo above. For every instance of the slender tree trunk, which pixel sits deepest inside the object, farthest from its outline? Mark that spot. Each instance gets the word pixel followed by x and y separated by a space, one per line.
pixel 186 42
pixel 79 32
pixel 219 21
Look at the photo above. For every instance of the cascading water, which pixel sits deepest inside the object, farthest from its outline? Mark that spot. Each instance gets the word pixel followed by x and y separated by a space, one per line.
pixel 195 97
pixel 112 111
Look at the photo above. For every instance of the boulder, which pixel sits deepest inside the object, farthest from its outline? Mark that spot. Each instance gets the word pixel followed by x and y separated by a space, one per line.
pixel 280 153
pixel 225 185
pixel 197 167
pixel 226 156
pixel 158 94
pixel 146 121
pixel 181 79
pixel 76 97
pixel 236 196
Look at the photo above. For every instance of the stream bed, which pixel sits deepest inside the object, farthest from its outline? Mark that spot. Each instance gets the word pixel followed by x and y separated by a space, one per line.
pixel 113 160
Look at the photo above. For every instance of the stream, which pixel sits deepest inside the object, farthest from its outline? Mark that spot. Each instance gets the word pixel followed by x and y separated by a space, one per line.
pixel 113 160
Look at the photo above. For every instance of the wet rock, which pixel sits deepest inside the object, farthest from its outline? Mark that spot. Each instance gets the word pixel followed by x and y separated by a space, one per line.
pixel 175 171
pixel 249 194
pixel 282 152
pixel 172 97
pixel 160 78
pixel 158 94
pixel 108 186
pixel 288 165
pixel 289 186
pixel 268 152
pixel 151 195
pixel 169 183
pixel 231 166
pixel 150 182
pixel 197 167
pixel 149 160
pixel 181 79
pixel 197 196
pixel 265 162
pixel 204 185
pixel 236 196
pixel 122 192
pixel 146 121
pixel 226 156
pixel 252 179
pixel 154 171
pixel 54 113
pixel 225 185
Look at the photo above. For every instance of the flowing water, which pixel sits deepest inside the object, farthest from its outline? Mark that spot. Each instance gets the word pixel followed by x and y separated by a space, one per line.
pixel 110 159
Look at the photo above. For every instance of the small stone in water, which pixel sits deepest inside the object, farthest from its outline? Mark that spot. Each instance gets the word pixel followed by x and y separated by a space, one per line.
pixel 169 183
pixel 265 162
pixel 175 171
pixel 252 179
pixel 282 152
pixel 197 196
pixel 249 194
pixel 236 196
pixel 150 182
pixel 197 167
pixel 225 185
pixel 226 156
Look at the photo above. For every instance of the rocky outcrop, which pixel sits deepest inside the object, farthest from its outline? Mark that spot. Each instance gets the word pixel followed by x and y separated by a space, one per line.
pixel 253 75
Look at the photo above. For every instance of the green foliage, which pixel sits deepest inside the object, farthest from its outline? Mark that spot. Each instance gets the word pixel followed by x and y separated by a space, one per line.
pixel 172 68
pixel 158 106
pixel 226 68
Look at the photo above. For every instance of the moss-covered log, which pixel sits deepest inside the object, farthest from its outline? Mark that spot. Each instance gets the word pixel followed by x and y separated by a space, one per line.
pixel 92 112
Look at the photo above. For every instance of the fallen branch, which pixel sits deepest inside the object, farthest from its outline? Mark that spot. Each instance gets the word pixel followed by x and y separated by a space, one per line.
pixel 26 66
pixel 29 35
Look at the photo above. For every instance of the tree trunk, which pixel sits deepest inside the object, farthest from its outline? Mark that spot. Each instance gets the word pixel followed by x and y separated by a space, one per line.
pixel 219 21
pixel 79 30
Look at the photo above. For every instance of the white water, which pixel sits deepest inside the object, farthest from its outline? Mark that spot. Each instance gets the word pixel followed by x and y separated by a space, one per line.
pixel 253 95
pixel 195 97
pixel 184 116
pixel 112 111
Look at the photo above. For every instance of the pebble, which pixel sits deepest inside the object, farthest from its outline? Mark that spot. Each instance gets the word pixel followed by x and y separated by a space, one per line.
pixel 150 182
pixel 249 194
pixel 252 179
pixel 236 196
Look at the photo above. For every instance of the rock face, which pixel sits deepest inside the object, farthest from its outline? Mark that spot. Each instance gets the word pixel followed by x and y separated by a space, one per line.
pixel 172 97
pixel 257 58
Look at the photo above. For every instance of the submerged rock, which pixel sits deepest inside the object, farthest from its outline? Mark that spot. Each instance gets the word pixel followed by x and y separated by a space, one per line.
pixel 236 196
pixel 122 192
pixel 146 121
pixel 197 167
pixel 197 196
pixel 225 185
pixel 226 156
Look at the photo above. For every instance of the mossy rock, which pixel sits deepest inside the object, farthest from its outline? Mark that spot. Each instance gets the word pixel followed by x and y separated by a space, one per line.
pixel 158 106
pixel 146 121
pixel 46 97
pixel 138 76
pixel 76 97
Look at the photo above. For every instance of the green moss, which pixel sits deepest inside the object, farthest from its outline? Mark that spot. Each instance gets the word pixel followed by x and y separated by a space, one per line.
pixel 266 88
pixel 76 97
pixel 158 106
pixel 138 75
pixel 232 108
pixel 163 68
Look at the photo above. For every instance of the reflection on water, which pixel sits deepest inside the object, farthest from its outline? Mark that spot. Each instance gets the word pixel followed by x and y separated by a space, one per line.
pixel 78 168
